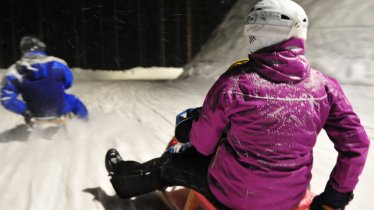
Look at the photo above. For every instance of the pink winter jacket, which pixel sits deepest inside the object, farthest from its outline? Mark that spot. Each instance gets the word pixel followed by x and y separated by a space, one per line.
pixel 273 107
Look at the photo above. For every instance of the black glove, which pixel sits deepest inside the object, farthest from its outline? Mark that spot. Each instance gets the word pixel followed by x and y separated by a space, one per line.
pixel 332 198
pixel 27 117
pixel 184 124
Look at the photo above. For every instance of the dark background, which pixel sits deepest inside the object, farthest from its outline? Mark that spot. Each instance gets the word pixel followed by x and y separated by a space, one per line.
pixel 111 34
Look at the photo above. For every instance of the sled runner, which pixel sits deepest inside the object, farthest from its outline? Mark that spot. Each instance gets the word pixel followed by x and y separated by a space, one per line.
pixel 51 121
pixel 46 127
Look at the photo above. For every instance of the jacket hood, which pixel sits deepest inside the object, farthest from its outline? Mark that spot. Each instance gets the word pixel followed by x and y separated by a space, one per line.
pixel 283 62
pixel 29 65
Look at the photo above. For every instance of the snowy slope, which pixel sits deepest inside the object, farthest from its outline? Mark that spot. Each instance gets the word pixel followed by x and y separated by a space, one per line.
pixel 66 172
pixel 340 40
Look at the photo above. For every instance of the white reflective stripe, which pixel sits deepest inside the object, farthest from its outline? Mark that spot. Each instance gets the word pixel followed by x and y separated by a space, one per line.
pixel 6 98
pixel 282 99
pixel 8 91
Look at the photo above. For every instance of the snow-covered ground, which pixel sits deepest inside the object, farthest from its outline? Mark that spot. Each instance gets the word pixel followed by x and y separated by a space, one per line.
pixel 66 171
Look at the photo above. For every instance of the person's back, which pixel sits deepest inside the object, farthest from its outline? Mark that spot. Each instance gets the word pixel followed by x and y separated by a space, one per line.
pixel 42 89
pixel 273 107
pixel 41 80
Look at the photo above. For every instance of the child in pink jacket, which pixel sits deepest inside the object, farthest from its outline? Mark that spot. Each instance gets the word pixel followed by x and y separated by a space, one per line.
pixel 252 140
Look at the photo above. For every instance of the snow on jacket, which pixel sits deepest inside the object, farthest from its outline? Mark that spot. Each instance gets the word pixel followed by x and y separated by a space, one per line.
pixel 41 80
pixel 273 107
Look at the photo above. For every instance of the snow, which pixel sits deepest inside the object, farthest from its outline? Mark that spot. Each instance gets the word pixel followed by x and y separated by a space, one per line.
pixel 137 73
pixel 67 170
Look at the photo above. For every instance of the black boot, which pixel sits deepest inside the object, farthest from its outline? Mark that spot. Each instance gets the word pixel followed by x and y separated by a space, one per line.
pixel 112 158
pixel 132 179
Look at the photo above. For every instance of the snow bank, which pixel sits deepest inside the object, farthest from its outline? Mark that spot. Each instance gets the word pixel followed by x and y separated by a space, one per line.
pixel 137 73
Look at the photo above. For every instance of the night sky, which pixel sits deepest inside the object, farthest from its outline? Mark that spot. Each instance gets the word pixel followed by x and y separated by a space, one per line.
pixel 111 34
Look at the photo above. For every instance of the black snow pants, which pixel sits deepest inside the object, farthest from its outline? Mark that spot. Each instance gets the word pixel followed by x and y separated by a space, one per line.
pixel 189 169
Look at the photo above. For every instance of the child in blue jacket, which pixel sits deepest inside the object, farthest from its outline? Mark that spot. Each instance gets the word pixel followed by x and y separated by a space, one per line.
pixel 41 80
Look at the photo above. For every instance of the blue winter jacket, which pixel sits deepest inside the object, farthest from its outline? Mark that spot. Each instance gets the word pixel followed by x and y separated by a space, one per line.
pixel 41 80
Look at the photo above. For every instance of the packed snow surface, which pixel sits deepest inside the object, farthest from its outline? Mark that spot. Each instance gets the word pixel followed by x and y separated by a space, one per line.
pixel 66 170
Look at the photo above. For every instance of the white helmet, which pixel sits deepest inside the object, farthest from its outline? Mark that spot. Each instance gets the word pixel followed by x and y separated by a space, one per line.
pixel 273 21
